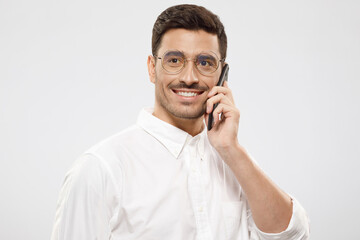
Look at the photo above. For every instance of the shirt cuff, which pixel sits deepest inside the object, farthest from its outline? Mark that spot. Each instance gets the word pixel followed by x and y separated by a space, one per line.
pixel 298 227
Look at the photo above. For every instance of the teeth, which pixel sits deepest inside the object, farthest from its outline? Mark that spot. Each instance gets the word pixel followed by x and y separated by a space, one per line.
pixel 187 94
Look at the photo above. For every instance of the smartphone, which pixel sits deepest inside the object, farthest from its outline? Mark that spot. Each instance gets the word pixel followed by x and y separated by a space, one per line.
pixel 222 79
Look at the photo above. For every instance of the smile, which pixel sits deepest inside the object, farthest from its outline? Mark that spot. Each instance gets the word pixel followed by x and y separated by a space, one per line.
pixel 187 93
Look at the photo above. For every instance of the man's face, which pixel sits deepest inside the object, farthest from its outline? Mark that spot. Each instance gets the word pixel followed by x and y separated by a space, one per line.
pixel 184 94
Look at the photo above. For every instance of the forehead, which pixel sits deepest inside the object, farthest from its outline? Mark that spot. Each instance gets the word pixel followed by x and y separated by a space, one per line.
pixel 189 42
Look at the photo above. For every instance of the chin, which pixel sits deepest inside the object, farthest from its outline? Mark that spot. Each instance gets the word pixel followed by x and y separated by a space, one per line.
pixel 188 113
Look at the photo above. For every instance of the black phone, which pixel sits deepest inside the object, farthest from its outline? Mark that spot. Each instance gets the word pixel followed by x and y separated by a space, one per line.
pixel 223 77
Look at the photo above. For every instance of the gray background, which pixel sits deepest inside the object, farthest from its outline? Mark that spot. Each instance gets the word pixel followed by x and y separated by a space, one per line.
pixel 74 72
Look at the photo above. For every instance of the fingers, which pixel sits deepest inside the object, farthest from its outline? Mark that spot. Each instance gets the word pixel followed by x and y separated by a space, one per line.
pixel 219 98
pixel 221 89
pixel 224 111
pixel 222 96
pixel 219 94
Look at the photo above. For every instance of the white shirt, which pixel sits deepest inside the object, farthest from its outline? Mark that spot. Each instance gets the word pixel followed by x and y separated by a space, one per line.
pixel 155 181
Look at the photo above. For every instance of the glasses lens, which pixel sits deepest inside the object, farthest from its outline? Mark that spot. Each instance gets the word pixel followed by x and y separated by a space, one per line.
pixel 207 63
pixel 173 61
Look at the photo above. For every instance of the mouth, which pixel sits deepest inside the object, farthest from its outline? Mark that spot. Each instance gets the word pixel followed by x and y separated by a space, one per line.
pixel 187 92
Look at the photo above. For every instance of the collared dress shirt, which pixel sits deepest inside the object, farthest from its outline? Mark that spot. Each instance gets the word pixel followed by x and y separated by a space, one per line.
pixel 154 181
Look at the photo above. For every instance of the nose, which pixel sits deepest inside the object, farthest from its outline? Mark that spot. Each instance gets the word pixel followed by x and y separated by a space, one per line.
pixel 189 74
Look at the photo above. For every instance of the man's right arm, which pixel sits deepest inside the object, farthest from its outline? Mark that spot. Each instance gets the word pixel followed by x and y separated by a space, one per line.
pixel 84 210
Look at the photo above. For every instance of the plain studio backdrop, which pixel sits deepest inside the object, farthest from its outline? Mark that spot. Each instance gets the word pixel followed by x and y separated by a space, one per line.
pixel 74 72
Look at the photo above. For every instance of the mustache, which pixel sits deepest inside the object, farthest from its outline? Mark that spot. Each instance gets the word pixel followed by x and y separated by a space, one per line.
pixel 194 86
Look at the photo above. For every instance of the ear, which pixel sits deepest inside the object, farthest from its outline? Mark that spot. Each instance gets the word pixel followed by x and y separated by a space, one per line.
pixel 151 68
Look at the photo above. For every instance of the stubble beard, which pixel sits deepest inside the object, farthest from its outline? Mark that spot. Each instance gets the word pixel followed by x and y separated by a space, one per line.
pixel 185 110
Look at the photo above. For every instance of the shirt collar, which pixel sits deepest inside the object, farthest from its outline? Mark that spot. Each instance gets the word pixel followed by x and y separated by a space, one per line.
pixel 173 138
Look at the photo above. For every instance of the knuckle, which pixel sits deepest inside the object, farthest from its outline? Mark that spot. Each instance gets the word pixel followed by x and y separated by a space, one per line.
pixel 218 109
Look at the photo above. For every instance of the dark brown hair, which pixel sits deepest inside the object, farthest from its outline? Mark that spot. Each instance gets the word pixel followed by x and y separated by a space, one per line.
pixel 190 17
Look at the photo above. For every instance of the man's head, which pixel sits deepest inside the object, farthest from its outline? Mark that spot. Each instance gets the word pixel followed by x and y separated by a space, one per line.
pixel 189 17
pixel 189 49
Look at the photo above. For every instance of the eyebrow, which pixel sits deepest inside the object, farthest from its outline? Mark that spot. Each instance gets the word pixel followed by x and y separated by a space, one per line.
pixel 176 53
pixel 182 54
pixel 206 56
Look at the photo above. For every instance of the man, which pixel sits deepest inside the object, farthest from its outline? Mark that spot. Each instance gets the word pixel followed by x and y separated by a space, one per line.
pixel 168 177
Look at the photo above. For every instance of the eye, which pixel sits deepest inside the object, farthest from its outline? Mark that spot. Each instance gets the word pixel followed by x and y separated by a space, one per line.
pixel 174 60
pixel 205 63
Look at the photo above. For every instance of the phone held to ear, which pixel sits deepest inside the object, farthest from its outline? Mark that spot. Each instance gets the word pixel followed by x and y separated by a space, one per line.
pixel 222 79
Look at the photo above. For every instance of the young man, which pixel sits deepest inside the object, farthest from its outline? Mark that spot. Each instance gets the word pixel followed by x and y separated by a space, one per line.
pixel 168 177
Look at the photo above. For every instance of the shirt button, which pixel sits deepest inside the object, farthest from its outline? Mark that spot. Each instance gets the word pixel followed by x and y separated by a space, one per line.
pixel 194 170
pixel 201 209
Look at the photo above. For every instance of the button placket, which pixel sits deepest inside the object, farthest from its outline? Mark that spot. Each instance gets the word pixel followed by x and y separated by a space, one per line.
pixel 196 191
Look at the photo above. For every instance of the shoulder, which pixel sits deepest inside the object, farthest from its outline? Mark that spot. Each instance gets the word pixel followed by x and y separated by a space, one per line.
pixel 125 138
pixel 99 163
pixel 122 145
pixel 87 173
pixel 108 149
pixel 105 159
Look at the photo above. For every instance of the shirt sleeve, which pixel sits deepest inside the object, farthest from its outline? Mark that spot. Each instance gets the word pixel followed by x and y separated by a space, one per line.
pixel 298 228
pixel 85 207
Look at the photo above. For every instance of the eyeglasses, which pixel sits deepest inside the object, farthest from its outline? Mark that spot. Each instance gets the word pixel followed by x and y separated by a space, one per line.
pixel 174 62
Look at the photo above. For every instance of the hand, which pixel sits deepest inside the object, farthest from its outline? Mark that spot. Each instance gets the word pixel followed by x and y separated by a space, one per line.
pixel 223 135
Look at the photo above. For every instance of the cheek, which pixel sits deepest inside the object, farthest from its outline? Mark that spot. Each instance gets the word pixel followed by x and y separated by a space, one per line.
pixel 211 82
pixel 163 78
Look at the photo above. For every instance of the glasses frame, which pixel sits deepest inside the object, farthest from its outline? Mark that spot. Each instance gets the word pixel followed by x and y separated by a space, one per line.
pixel 189 59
